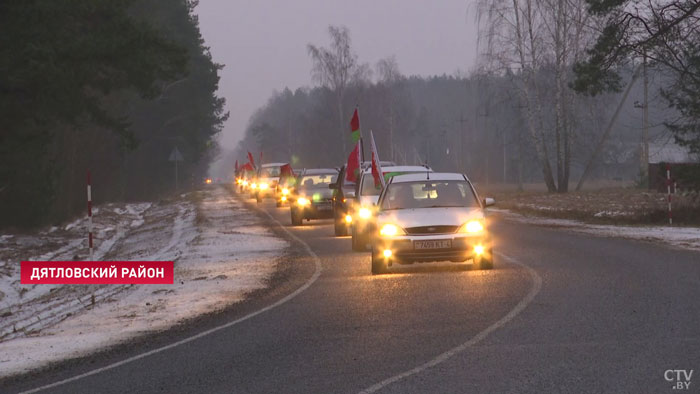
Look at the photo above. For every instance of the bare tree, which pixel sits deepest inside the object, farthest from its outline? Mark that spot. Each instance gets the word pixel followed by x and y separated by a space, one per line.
pixel 389 75
pixel 336 67
pixel 528 36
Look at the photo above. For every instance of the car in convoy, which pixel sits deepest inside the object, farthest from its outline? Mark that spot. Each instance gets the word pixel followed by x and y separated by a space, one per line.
pixel 425 217
pixel 312 197
pixel 285 187
pixel 265 183
pixel 367 194
pixel 244 180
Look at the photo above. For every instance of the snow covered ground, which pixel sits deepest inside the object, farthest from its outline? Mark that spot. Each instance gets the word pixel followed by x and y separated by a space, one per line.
pixel 221 252
pixel 681 237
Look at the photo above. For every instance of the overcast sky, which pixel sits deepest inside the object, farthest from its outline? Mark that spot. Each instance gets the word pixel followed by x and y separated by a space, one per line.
pixel 263 42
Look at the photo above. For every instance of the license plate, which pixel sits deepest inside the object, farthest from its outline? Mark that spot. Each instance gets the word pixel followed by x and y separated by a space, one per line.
pixel 324 207
pixel 433 244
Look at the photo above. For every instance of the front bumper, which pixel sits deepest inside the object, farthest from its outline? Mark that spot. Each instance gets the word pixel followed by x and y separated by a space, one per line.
pixel 462 247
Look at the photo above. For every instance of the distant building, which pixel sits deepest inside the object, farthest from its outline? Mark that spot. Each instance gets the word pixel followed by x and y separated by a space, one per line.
pixel 677 156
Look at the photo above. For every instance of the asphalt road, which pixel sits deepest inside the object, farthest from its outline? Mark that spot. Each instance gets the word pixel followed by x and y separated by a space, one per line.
pixel 561 312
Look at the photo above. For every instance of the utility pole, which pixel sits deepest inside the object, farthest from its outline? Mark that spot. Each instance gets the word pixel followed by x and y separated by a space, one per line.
pixel 645 127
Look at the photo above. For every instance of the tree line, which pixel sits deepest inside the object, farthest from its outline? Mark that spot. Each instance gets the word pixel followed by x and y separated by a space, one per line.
pixel 498 124
pixel 110 86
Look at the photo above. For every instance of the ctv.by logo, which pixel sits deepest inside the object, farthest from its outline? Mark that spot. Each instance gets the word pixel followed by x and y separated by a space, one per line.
pixel 679 377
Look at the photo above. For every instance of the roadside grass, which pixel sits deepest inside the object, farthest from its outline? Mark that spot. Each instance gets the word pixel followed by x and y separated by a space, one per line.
pixel 616 205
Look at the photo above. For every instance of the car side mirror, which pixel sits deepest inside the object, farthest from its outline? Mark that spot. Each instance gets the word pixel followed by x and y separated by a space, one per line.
pixel 489 202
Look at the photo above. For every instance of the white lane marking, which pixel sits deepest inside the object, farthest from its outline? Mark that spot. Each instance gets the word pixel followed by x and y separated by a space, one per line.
pixel 314 277
pixel 536 287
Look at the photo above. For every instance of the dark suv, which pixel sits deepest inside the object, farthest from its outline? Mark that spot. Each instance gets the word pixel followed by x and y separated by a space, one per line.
pixel 312 198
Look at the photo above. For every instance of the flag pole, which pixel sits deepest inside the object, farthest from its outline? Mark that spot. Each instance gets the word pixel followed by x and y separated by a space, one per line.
pixel 362 144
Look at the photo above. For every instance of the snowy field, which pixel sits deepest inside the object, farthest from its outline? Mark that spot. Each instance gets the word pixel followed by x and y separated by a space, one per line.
pixel 680 237
pixel 221 252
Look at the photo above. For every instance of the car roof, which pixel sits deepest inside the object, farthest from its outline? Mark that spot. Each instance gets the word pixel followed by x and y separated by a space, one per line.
pixel 434 176
pixel 273 165
pixel 401 169
pixel 387 163
pixel 319 171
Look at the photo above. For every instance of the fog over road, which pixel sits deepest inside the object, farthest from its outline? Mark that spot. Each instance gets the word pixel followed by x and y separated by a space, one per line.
pixel 560 312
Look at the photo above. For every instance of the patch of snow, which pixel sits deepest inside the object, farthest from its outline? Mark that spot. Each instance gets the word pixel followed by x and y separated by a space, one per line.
pixel 216 264
pixel 680 237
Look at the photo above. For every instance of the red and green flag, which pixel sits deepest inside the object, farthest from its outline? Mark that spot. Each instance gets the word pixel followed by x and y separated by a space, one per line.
pixel 352 168
pixel 355 126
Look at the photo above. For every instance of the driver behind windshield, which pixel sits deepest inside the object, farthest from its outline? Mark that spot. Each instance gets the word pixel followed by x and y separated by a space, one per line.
pixel 441 194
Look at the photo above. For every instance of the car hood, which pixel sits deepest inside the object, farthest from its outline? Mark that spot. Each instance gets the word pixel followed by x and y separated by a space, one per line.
pixel 418 217
pixel 322 193
pixel 270 180
pixel 368 200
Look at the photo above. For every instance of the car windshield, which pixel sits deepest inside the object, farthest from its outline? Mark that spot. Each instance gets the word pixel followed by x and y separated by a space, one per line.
pixel 368 187
pixel 269 172
pixel 318 180
pixel 429 194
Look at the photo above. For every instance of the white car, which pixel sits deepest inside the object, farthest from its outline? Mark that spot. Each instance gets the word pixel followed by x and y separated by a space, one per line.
pixel 265 184
pixel 366 200
pixel 426 217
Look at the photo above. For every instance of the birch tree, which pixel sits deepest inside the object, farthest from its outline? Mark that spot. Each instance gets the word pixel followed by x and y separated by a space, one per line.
pixel 526 37
pixel 335 67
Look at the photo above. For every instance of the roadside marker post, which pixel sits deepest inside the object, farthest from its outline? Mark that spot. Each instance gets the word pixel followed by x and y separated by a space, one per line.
pixel 89 208
pixel 175 156
pixel 668 189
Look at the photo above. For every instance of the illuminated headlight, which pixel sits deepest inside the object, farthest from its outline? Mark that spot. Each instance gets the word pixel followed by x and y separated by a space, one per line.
pixel 285 191
pixel 365 213
pixel 390 230
pixel 303 201
pixel 238 181
pixel 348 219
pixel 263 186
pixel 245 183
pixel 253 185
pixel 473 226
pixel 479 249
pixel 387 253
pixel 284 198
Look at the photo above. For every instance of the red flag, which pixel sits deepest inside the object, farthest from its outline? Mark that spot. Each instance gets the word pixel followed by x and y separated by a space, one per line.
pixel 352 169
pixel 355 126
pixel 377 172
pixel 251 161
pixel 286 171
pixel 246 167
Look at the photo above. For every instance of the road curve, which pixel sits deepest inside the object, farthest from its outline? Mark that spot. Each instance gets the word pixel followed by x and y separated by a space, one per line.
pixel 561 312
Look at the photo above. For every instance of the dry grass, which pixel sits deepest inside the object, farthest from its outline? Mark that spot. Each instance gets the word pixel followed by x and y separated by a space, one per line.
pixel 619 205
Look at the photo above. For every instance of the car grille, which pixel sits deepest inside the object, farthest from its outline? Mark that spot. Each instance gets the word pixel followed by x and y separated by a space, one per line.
pixel 431 230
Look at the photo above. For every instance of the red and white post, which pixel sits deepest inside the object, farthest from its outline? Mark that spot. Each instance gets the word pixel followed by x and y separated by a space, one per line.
pixel 668 189
pixel 89 208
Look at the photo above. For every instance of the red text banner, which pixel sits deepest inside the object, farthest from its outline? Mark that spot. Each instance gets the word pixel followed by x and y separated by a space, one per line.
pixel 96 272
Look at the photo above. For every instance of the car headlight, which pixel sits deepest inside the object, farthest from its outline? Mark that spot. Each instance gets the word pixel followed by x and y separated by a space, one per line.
pixel 348 219
pixel 390 230
pixel 253 185
pixel 245 183
pixel 285 191
pixel 303 201
pixel 365 213
pixel 472 226
pixel 263 186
